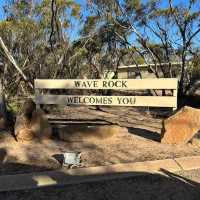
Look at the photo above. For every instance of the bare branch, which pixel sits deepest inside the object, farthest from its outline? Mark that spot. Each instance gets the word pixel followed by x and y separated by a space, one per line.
pixel 135 30
pixel 192 36
pixel 12 60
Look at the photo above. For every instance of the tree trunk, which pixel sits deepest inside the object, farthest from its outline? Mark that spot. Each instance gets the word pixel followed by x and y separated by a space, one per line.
pixel 181 84
pixel 3 110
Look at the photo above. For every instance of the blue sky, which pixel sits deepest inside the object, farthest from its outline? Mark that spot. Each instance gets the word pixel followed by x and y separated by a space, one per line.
pixel 76 25
pixel 2 3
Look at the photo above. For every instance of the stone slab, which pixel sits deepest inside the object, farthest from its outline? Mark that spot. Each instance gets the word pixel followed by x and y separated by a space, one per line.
pixel 80 175
pixel 91 174
pixel 188 163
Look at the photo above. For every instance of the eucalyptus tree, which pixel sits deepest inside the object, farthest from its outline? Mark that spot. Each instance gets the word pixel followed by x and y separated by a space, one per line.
pixel 104 48
pixel 175 27
pixel 172 25
pixel 122 20
pixel 38 46
pixel 186 18
pixel 154 20
pixel 18 33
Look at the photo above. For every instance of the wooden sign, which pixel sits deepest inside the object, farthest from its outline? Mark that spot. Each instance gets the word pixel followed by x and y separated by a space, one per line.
pixel 115 84
pixel 155 101
pixel 122 84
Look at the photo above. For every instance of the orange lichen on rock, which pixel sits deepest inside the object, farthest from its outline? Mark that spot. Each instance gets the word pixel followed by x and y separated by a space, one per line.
pixel 181 127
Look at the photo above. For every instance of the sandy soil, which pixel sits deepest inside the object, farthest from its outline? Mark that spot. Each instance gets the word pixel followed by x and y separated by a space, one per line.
pixel 124 146
pixel 136 140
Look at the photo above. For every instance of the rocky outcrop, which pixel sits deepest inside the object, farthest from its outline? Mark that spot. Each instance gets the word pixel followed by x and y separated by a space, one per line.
pixel 181 127
pixel 32 124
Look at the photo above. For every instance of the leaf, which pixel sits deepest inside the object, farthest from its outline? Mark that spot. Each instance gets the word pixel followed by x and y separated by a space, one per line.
pixel 75 10
pixel 66 23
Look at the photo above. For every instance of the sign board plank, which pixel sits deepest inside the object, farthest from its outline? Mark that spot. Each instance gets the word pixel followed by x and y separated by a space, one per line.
pixel 115 84
pixel 149 101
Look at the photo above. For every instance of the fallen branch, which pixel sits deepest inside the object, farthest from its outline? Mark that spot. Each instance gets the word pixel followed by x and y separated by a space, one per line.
pixel 12 60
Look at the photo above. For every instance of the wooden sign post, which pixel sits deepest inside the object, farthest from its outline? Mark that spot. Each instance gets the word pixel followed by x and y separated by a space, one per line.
pixel 114 84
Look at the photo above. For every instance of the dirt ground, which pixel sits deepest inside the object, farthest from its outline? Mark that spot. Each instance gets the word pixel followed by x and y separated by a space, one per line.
pixel 135 137
pixel 128 144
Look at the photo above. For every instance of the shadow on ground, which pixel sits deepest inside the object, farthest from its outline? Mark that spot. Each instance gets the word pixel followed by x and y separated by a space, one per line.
pixel 116 186
pixel 145 133
pixel 14 167
pixel 122 186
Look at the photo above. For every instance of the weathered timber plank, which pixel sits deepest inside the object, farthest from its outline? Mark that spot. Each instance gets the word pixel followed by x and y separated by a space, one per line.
pixel 115 84
pixel 148 101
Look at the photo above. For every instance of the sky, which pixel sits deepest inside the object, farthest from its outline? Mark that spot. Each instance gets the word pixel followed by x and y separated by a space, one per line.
pixel 2 3
pixel 76 27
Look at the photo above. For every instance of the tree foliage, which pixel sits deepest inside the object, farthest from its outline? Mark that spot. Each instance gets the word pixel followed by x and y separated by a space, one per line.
pixel 65 39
